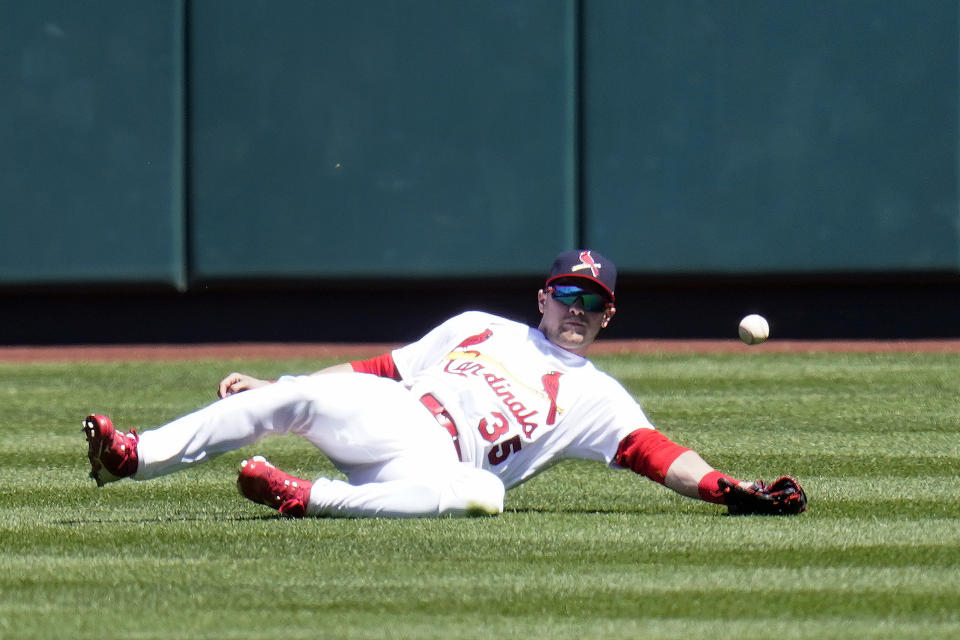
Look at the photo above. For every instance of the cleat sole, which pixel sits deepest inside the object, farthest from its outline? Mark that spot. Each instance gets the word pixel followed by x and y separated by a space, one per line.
pixel 99 435
pixel 90 431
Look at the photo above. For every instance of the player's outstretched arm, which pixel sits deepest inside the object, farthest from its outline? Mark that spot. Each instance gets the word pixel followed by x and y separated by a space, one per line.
pixel 690 475
pixel 650 453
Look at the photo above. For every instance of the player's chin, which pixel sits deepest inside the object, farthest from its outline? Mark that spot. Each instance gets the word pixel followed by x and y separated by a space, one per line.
pixel 575 336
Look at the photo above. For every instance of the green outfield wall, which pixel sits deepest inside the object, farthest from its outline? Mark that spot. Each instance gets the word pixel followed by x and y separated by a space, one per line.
pixel 91 142
pixel 746 137
pixel 182 143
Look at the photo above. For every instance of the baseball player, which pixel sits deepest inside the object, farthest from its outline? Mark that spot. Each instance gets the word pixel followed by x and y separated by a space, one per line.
pixel 442 426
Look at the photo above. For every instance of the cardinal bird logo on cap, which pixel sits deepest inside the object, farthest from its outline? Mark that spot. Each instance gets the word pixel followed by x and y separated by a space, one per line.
pixel 587 262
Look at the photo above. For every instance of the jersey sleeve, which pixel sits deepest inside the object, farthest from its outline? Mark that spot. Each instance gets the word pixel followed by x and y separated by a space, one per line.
pixel 608 416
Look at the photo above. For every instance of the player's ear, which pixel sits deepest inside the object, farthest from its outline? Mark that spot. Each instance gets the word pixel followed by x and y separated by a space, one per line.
pixel 541 299
pixel 608 316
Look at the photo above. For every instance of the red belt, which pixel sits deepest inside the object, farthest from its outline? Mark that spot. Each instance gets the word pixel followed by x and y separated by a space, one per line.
pixel 443 417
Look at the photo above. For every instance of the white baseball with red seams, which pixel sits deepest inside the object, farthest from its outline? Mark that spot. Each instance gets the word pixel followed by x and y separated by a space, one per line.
pixel 754 329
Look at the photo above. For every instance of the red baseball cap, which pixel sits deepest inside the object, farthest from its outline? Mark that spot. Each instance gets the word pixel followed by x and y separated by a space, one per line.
pixel 587 264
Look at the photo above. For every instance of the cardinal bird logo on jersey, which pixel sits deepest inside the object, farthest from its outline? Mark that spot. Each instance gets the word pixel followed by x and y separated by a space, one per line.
pixel 477 339
pixel 587 262
pixel 551 384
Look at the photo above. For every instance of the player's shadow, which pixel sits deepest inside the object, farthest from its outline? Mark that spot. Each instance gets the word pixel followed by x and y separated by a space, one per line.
pixel 657 510
pixel 197 518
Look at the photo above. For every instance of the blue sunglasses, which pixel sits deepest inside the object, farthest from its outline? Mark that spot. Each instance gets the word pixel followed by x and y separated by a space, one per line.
pixel 569 294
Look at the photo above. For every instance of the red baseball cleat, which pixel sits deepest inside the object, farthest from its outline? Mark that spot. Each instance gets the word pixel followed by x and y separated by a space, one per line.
pixel 263 483
pixel 113 455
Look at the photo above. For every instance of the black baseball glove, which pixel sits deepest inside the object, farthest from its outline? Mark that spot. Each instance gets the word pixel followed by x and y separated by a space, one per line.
pixel 782 497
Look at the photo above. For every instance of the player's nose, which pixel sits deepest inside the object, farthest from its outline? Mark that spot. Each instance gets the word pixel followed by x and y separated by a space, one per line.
pixel 577 307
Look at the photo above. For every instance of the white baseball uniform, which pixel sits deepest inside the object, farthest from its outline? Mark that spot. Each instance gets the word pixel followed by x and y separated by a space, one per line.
pixel 484 404
pixel 520 403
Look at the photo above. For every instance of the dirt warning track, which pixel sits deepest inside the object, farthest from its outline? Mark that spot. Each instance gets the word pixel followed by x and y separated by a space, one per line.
pixel 213 351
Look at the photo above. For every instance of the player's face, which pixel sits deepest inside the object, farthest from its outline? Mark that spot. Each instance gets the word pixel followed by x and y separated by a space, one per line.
pixel 571 326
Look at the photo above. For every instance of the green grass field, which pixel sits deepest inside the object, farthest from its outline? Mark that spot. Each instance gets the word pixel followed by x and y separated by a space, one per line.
pixel 581 551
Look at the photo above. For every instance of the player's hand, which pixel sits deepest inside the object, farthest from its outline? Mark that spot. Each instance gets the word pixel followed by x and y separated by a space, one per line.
pixel 237 382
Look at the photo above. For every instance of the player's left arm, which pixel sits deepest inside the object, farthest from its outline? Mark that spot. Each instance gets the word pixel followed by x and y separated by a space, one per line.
pixel 650 453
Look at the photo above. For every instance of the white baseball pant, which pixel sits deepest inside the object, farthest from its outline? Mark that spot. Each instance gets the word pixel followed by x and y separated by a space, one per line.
pixel 398 460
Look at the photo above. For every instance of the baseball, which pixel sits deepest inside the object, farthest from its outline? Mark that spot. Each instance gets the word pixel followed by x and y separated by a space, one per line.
pixel 754 329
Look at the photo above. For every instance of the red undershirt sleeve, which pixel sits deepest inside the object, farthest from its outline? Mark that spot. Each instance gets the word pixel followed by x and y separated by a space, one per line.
pixel 650 453
pixel 382 365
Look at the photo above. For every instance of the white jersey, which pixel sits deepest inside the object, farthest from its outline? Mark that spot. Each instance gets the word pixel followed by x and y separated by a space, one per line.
pixel 519 402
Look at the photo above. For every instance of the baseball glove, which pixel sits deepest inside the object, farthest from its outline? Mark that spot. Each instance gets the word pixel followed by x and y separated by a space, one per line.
pixel 782 497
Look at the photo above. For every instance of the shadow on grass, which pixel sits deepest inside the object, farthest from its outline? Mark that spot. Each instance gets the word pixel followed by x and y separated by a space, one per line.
pixel 141 521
